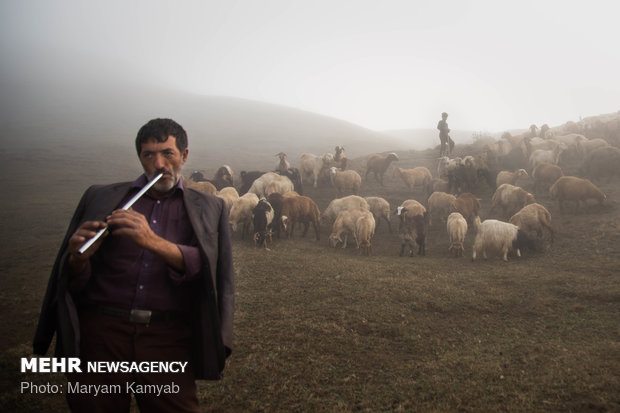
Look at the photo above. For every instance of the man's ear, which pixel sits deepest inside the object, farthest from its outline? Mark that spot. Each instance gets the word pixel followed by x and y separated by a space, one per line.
pixel 184 154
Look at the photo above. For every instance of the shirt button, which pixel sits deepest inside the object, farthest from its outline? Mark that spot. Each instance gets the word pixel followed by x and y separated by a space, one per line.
pixel 158 202
pixel 154 221
pixel 141 287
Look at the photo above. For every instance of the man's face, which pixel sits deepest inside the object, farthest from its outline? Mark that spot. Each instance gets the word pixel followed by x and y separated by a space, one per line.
pixel 163 157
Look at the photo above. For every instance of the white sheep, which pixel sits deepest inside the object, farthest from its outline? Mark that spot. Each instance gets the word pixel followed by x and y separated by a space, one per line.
pixel 457 229
pixel 497 236
pixel 380 208
pixel 584 147
pixel 511 199
pixel 364 231
pixel 345 181
pixel 439 204
pixel 228 194
pixel 241 212
pixel 261 186
pixel 418 176
pixel 345 225
pixel 341 204
pixel 283 165
pixel 545 155
pixel 533 218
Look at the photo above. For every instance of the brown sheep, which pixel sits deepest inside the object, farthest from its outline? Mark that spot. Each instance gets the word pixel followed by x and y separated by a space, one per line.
pixel 533 218
pixel 467 205
pixel 439 205
pixel 506 177
pixel 299 209
pixel 378 164
pixel 511 198
pixel 413 226
pixel 571 188
pixel 545 174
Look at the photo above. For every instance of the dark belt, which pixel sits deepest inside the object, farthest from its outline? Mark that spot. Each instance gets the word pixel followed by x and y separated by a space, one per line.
pixel 137 316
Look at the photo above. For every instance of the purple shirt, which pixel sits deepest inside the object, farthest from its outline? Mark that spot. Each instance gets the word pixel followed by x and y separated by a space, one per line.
pixel 123 275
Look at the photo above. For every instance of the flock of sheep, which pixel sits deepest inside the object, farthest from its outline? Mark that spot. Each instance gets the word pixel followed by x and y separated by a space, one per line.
pixel 272 203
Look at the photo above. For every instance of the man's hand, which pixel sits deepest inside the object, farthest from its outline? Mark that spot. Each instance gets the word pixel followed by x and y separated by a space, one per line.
pixel 86 231
pixel 134 225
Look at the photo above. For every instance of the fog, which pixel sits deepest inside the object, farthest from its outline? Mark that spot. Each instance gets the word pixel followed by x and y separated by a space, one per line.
pixel 374 66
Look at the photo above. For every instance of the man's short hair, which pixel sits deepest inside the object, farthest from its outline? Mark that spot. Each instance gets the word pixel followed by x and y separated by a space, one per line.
pixel 160 129
pixel 444 114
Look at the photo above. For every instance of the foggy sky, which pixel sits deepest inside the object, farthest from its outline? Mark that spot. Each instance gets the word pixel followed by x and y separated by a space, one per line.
pixel 493 65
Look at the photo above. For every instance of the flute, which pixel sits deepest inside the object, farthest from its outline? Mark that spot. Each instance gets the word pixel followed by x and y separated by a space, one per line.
pixel 128 205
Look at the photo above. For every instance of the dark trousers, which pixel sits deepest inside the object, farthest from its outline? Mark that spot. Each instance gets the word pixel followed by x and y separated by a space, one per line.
pixel 106 338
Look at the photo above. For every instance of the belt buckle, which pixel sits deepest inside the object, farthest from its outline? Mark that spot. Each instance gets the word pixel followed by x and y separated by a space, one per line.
pixel 140 316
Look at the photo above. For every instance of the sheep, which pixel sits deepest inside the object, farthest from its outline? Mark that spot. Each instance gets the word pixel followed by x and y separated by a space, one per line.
pixel 468 205
pixel 445 166
pixel 533 218
pixel 378 164
pixel 228 194
pixel 345 224
pixel 262 186
pixel 201 186
pixel 541 155
pixel 571 188
pixel 602 162
pixel 413 177
pixel 312 165
pixel 438 185
pixel 380 208
pixel 439 205
pixel 413 226
pixel 339 155
pixel 497 236
pixel 299 209
pixel 262 217
pixel 530 145
pixel 345 181
pixel 283 165
pixel 511 198
pixel 364 230
pixel 586 146
pixel 340 204
pixel 571 140
pixel 247 179
pixel 506 177
pixel 457 229
pixel 306 166
pixel 545 174
pixel 295 176
pixel 223 177
pixel 241 212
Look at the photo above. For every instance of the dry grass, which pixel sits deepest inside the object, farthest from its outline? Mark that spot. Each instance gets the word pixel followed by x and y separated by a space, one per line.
pixel 318 329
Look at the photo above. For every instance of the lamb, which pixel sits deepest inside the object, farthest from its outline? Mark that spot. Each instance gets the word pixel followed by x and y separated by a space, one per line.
pixel 262 185
pixel 468 205
pixel 283 165
pixel 571 188
pixel 413 226
pixel 506 177
pixel 241 212
pixel 341 204
pixel 299 209
pixel 345 181
pixel 533 218
pixel 228 194
pixel 511 198
pixel 345 224
pixel 378 164
pixel 262 219
pixel 541 155
pixel 418 176
pixel 380 208
pixel 439 205
pixel 603 162
pixel 545 174
pixel 457 229
pixel 364 230
pixel 497 236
